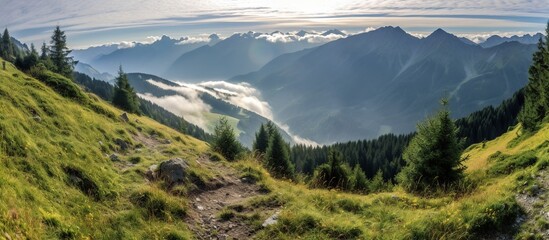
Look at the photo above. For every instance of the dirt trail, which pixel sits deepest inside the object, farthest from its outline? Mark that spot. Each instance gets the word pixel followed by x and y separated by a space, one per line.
pixel 535 204
pixel 205 207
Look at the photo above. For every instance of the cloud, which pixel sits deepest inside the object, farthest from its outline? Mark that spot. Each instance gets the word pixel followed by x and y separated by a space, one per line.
pixel 111 20
pixel 297 139
pixel 125 44
pixel 289 37
pixel 186 104
pixel 241 94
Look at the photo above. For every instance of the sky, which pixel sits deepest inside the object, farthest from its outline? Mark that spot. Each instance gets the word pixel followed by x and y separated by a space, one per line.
pixel 109 21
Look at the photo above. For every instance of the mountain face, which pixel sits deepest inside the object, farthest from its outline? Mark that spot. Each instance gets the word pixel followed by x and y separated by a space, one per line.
pixel 525 39
pixel 385 81
pixel 247 122
pixel 153 58
pixel 93 73
pixel 238 54
pixel 19 45
pixel 92 53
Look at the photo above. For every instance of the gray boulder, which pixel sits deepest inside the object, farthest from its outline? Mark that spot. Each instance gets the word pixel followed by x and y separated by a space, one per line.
pixel 173 171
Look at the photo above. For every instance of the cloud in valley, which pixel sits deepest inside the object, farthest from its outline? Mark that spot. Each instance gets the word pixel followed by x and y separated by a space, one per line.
pixel 187 104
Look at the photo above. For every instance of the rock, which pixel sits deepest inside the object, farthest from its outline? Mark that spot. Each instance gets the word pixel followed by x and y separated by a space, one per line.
pixel 114 158
pixel 37 118
pixel 271 220
pixel 200 208
pixel 122 144
pixel 173 171
pixel 151 173
pixel 125 117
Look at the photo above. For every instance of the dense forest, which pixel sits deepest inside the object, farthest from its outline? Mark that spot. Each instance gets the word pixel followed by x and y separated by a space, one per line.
pixel 147 108
pixel 385 152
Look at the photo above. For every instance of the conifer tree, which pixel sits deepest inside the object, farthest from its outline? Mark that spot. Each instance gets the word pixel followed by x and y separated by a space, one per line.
pixel 277 157
pixel 59 54
pixel 333 174
pixel 225 140
pixel 125 97
pixel 360 182
pixel 261 142
pixel 6 47
pixel 536 92
pixel 433 156
pixel 44 51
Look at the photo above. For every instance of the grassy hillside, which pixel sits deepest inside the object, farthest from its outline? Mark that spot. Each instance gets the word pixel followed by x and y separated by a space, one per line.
pixel 507 180
pixel 57 179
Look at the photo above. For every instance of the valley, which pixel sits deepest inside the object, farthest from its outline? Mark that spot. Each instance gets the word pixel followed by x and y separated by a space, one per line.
pixel 227 120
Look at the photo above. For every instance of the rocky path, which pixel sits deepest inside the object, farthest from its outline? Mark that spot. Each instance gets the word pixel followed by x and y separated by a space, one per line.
pixel 206 206
pixel 535 202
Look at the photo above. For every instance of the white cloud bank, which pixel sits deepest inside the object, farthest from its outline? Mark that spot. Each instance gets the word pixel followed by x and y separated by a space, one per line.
pixel 189 105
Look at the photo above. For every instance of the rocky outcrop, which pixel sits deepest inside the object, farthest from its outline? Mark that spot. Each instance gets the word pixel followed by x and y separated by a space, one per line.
pixel 173 171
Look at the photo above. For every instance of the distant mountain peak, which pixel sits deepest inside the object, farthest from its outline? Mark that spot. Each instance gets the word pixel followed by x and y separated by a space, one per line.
pixel 213 37
pixel 441 35
pixel 301 33
pixel 334 31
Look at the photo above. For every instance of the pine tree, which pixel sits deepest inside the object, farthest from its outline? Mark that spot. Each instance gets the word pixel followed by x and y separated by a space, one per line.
pixel 261 142
pixel 225 140
pixel 59 54
pixel 377 184
pixel 25 63
pixel 277 157
pixel 44 51
pixel 333 174
pixel 360 182
pixel 536 92
pixel 125 97
pixel 433 156
pixel 6 47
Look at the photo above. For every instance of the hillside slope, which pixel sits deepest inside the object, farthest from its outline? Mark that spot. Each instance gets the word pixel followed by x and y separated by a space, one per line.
pixel 58 178
pixel 59 181
pixel 505 196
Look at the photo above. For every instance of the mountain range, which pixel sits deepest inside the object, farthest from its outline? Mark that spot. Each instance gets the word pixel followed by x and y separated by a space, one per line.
pixel 385 81
pixel 151 58
pixel 239 54
pixel 526 39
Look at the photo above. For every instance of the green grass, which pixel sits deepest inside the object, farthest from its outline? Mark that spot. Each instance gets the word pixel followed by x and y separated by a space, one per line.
pixel 485 204
pixel 56 180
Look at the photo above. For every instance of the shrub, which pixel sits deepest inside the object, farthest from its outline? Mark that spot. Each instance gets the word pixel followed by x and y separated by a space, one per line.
pixel 62 85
